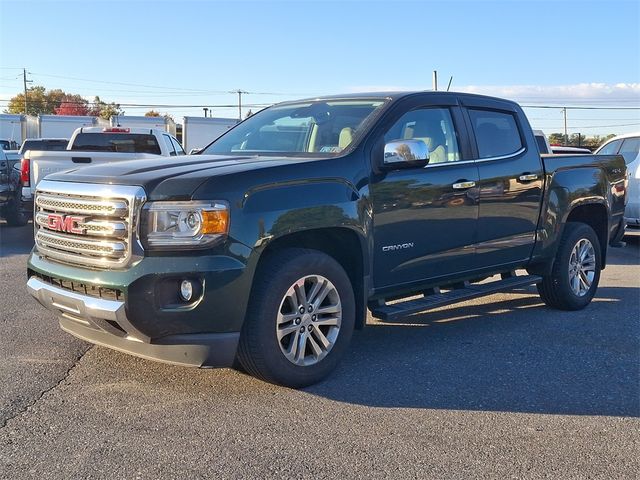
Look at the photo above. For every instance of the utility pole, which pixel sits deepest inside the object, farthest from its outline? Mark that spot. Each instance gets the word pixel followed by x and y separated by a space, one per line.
pixel 24 78
pixel 205 111
pixel 566 136
pixel 239 92
pixel 435 81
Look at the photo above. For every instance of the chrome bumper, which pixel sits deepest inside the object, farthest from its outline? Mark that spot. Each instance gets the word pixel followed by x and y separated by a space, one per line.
pixel 106 315
pixel 104 322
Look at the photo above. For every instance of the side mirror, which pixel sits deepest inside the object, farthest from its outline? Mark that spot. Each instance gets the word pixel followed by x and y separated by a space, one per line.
pixel 405 154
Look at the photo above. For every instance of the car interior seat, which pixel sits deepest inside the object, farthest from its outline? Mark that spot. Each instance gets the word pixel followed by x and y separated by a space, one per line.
pixel 434 138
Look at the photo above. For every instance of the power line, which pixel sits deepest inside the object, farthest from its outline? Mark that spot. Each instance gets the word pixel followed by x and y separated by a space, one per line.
pixel 560 107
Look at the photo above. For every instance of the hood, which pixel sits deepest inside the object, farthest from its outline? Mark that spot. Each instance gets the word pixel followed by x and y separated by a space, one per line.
pixel 169 177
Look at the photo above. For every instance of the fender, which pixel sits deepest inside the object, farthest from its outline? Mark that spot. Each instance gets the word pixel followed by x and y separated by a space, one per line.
pixel 566 189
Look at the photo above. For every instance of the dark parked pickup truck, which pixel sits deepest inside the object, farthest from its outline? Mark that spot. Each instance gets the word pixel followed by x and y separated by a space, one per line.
pixel 266 250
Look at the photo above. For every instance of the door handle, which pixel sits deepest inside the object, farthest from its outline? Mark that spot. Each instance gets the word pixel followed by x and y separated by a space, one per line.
pixel 528 177
pixel 463 185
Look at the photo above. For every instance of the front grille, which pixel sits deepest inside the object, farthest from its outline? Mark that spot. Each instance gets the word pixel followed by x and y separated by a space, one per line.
pixel 82 288
pixel 86 224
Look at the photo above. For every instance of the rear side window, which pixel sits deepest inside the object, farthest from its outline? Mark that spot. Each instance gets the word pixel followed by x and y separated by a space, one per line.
pixel 116 142
pixel 497 133
pixel 542 144
pixel 610 148
pixel 629 149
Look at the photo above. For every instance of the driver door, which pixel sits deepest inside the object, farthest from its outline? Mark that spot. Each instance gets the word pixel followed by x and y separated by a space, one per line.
pixel 425 218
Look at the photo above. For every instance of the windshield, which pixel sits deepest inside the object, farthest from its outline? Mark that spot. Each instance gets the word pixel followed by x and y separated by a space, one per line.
pixel 320 127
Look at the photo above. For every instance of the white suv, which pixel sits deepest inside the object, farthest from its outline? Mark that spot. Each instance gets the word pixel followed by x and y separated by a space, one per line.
pixel 628 146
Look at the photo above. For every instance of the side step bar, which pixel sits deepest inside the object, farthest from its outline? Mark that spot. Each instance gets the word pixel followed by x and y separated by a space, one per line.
pixel 458 293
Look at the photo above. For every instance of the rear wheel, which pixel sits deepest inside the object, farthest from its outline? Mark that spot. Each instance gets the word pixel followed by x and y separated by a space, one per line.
pixel 15 216
pixel 300 318
pixel 576 270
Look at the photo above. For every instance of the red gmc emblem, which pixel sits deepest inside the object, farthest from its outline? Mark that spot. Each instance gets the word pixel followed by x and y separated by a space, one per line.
pixel 62 223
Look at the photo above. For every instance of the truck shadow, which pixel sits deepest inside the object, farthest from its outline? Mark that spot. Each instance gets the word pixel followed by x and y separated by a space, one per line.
pixel 513 355
pixel 15 240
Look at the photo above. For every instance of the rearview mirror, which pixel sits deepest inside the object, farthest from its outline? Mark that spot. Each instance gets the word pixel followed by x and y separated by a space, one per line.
pixel 406 153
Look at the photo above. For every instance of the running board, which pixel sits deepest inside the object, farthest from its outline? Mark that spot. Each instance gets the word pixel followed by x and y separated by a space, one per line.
pixel 458 293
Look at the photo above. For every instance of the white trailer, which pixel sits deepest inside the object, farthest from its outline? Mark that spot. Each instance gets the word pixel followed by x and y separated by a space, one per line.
pixel 198 132
pixel 63 126
pixel 17 127
pixel 157 123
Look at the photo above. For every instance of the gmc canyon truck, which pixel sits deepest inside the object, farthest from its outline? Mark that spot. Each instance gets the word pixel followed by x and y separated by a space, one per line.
pixel 266 251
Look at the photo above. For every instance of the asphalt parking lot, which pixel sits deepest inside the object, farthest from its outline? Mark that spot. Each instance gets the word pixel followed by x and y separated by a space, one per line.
pixel 495 387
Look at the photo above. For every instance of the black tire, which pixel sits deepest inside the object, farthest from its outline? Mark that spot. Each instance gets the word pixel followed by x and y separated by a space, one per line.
pixel 14 215
pixel 260 351
pixel 555 289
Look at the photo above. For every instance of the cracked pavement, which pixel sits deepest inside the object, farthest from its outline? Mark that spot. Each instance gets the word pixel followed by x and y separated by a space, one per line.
pixel 495 387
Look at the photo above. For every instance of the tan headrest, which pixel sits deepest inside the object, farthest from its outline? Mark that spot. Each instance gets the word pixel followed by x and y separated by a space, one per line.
pixel 346 137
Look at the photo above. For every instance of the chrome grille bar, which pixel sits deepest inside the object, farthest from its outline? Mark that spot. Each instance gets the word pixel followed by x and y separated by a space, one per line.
pixel 91 225
pixel 71 243
pixel 82 206
pixel 108 228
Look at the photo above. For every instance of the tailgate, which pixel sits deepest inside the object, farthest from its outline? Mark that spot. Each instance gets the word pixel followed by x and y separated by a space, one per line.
pixel 46 163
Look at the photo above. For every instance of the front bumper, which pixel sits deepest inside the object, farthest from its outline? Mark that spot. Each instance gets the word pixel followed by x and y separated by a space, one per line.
pixel 105 322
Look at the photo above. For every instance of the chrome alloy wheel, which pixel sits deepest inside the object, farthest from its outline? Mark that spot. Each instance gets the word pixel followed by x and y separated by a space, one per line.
pixel 309 320
pixel 582 267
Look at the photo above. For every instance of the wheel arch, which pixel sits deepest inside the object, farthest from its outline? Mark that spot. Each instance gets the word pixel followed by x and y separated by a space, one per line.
pixel 596 215
pixel 344 245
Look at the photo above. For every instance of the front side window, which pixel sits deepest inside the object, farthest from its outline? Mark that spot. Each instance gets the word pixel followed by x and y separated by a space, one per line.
pixel 610 148
pixel 629 149
pixel 317 128
pixel 434 127
pixel 497 133
pixel 167 142
pixel 177 146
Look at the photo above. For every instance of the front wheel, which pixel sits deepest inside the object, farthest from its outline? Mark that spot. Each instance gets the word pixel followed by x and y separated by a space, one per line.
pixel 576 270
pixel 300 318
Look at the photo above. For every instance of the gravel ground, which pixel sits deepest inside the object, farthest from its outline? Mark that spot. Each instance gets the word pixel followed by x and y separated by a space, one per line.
pixel 495 387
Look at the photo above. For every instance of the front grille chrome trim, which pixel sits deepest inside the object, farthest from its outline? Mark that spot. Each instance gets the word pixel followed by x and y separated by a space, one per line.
pixel 108 235
pixel 102 248
pixel 81 206
pixel 106 228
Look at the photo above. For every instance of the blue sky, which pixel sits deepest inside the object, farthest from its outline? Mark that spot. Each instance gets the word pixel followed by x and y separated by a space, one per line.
pixel 576 53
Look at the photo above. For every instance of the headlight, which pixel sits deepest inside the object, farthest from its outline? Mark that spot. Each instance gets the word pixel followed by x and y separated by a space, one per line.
pixel 183 224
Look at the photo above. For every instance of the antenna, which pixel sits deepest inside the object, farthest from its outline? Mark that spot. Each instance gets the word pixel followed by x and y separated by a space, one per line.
pixel 450 80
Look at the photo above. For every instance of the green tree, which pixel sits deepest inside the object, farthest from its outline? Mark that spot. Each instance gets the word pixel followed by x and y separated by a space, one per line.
pixel 39 101
pixel 105 110
pixel 556 139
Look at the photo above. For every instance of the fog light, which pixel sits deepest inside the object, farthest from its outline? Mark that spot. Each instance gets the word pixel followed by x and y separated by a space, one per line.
pixel 186 290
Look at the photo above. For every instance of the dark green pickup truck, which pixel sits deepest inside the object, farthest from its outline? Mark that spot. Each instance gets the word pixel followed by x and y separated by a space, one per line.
pixel 266 250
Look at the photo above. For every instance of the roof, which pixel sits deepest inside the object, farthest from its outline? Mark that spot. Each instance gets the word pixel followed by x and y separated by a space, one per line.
pixel 624 135
pixel 394 95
